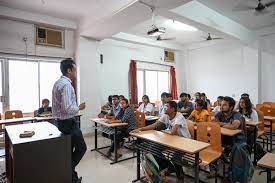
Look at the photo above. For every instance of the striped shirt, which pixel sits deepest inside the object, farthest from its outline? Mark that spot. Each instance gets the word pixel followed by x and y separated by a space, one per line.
pixel 129 117
pixel 64 105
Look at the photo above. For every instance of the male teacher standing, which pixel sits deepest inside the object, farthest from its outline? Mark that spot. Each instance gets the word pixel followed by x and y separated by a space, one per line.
pixel 64 109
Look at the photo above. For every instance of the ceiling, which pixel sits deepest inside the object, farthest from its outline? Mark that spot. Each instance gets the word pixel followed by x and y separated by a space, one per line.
pixel 76 10
pixel 182 37
pixel 100 19
pixel 245 18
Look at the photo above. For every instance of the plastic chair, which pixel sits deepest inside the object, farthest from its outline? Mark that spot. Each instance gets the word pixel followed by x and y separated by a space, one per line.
pixel 140 118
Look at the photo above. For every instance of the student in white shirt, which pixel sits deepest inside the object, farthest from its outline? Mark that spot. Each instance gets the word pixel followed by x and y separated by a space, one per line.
pixel 146 107
pixel 217 108
pixel 174 122
pixel 246 109
pixel 162 107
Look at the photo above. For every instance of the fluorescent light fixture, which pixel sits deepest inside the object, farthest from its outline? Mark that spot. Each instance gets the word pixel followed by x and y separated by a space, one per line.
pixel 180 26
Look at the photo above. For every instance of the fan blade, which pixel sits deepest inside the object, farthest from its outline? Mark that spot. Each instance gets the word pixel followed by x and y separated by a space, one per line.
pixel 270 4
pixel 216 38
pixel 243 7
pixel 263 12
pixel 166 39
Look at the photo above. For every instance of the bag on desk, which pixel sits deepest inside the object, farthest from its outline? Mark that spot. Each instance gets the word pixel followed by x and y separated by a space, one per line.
pixel 150 168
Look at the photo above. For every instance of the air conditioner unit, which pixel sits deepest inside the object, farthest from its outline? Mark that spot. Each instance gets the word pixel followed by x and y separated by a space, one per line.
pixel 169 56
pixel 49 37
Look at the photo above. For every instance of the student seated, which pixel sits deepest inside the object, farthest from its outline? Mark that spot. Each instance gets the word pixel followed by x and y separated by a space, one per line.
pixel 127 117
pixel 162 107
pixel 121 97
pixel 175 124
pixel 184 105
pixel 146 107
pixel 45 109
pixel 115 112
pixel 218 105
pixel 199 114
pixel 246 109
pixel 107 107
pixel 228 118
pixel 244 95
pixel 207 101
pixel 169 96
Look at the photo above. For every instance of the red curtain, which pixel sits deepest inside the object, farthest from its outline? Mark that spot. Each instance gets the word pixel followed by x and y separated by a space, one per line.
pixel 133 82
pixel 173 83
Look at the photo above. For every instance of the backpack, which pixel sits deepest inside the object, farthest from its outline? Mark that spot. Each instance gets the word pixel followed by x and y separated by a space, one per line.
pixel 241 167
pixel 259 151
pixel 150 168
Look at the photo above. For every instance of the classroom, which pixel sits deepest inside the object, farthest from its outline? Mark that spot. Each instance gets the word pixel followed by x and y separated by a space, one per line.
pixel 156 91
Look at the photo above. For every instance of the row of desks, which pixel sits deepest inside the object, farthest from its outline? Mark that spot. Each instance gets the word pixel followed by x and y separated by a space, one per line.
pixel 185 145
pixel 26 119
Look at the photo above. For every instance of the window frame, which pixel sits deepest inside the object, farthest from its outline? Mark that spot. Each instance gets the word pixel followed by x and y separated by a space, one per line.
pixel 144 80
pixel 5 77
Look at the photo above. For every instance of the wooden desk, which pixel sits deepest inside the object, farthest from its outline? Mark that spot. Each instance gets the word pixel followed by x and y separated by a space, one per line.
pixel 270 119
pixel 267 162
pixel 253 123
pixel 16 120
pixel 172 141
pixel 229 132
pixel 151 118
pixel 103 122
pixel 44 157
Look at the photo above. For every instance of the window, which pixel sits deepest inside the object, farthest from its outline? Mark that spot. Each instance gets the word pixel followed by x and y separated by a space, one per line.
pixel 23 85
pixel 152 83
pixel 49 74
pixel 30 82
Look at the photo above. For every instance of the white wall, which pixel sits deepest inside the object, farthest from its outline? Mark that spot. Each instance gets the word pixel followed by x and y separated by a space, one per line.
pixel 97 80
pixel 268 68
pixel 12 33
pixel 226 68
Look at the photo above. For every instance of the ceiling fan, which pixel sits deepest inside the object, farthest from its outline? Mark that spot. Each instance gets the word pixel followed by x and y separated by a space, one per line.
pixel 260 8
pixel 210 38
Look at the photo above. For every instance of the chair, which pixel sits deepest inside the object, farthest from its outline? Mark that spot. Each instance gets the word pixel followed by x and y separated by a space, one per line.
pixel 210 132
pixel 140 117
pixel 259 106
pixel 13 114
pixel 261 128
pixel 191 128
pixel 35 113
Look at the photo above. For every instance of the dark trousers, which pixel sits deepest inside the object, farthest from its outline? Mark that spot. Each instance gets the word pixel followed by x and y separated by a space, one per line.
pixel 78 145
pixel 121 134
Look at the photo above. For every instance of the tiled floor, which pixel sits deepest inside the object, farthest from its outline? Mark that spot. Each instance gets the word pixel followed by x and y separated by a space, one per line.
pixel 94 168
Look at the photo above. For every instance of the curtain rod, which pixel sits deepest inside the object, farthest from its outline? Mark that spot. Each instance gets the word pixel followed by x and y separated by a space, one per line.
pixel 154 63
pixel 29 56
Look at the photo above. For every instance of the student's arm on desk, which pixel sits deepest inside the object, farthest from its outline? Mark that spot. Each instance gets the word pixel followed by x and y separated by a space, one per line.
pixel 146 128
pixel 233 126
pixel 174 130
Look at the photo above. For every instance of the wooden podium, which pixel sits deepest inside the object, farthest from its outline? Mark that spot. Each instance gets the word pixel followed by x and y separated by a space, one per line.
pixel 45 157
